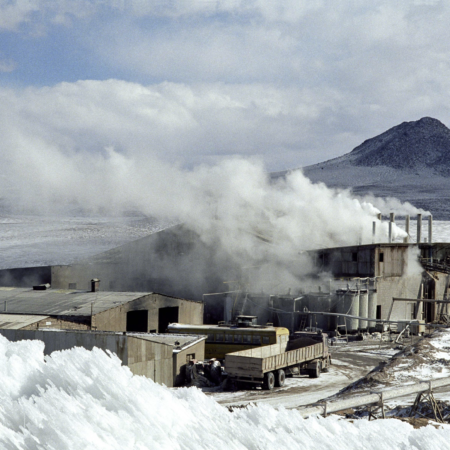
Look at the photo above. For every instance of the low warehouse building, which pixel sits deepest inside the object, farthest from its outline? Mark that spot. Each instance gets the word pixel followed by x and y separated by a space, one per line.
pixel 106 311
pixel 159 357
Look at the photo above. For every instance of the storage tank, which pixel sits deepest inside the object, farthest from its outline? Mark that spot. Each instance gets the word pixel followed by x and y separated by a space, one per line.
pixel 321 303
pixel 348 303
pixel 363 308
pixel 373 300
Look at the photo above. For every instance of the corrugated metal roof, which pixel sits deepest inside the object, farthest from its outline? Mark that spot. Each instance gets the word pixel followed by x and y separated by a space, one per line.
pixel 62 302
pixel 16 322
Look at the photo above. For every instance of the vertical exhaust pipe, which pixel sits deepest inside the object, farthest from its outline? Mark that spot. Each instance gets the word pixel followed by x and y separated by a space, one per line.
pixel 406 239
pixel 430 229
pixel 391 222
pixel 419 228
pixel 374 231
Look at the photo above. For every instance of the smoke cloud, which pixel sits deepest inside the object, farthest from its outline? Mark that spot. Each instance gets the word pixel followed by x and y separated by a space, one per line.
pixel 114 147
pixel 390 204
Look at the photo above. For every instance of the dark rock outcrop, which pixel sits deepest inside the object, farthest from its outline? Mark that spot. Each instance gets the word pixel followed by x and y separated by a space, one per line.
pixel 424 143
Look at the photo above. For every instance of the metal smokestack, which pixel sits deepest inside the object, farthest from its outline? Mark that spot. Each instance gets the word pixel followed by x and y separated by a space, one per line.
pixel 419 228
pixel 391 222
pixel 430 229
pixel 374 231
pixel 406 239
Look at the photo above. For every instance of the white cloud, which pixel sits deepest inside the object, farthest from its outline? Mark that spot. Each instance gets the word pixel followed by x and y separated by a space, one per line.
pixel 292 82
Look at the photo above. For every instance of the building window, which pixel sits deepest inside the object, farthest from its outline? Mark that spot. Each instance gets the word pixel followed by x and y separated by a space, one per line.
pixel 355 257
pixel 257 340
pixel 190 357
pixel 210 337
pixel 228 337
pixel 247 339
pixel 238 338
pixel 381 257
pixel 266 340
pixel 219 337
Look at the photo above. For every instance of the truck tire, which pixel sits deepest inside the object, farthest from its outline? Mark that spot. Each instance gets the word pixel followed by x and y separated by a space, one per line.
pixel 281 378
pixel 328 364
pixel 269 381
pixel 315 373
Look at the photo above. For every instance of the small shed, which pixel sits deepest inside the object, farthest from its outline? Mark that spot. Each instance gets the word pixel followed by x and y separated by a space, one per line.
pixel 186 347
pixel 158 357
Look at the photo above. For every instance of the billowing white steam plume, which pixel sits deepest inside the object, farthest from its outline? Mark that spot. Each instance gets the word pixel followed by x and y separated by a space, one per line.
pixel 51 162
pixel 391 204
pixel 292 214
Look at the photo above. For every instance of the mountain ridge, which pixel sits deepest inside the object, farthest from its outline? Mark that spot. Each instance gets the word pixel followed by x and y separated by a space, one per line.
pixel 410 161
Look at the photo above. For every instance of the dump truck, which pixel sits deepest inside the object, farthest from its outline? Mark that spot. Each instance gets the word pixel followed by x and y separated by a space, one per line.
pixel 304 353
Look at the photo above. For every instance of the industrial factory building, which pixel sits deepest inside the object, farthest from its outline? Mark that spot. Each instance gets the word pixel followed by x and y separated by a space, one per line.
pixel 384 282
pixel 174 261
pixel 98 310
pixel 359 280
pixel 160 357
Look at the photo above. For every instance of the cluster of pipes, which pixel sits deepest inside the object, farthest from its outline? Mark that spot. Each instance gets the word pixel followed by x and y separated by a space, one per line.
pixel 407 218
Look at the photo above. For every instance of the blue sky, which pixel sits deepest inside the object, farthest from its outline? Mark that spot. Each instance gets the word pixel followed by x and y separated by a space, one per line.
pixel 196 82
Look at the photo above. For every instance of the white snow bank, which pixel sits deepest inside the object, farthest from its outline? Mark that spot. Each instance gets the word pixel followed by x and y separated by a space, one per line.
pixel 437 360
pixel 77 399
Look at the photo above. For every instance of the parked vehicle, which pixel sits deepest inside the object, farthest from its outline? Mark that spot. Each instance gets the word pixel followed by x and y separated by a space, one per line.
pixel 305 353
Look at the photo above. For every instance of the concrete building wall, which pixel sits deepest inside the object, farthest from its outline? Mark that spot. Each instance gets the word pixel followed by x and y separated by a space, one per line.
pixel 25 276
pixel 63 340
pixel 181 358
pixel 115 319
pixel 59 324
pixel 391 261
pixel 407 287
pixel 151 359
pixel 174 261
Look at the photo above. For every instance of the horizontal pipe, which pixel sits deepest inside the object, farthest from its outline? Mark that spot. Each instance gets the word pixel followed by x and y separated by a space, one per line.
pixel 415 321
pixel 369 399
pixel 426 300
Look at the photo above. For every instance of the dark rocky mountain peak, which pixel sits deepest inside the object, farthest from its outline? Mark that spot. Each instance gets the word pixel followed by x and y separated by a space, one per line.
pixel 424 143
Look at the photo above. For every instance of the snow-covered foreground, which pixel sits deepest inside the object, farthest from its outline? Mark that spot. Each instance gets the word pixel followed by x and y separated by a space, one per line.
pixel 78 399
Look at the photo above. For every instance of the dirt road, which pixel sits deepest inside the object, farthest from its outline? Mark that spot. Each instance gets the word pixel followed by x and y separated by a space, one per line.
pixel 350 363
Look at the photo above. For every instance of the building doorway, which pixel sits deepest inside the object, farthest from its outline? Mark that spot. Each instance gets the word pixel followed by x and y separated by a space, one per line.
pixel 137 321
pixel 165 316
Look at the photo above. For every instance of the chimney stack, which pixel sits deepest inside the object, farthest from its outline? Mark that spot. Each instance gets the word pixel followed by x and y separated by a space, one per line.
pixel 406 239
pixel 430 229
pixel 95 285
pixel 419 228
pixel 391 224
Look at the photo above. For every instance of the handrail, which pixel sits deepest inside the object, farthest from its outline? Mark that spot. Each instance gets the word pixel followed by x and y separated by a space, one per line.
pixel 373 397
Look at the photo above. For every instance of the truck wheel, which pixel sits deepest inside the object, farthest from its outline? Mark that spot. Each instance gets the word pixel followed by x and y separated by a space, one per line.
pixel 281 378
pixel 315 373
pixel 269 381
pixel 326 368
